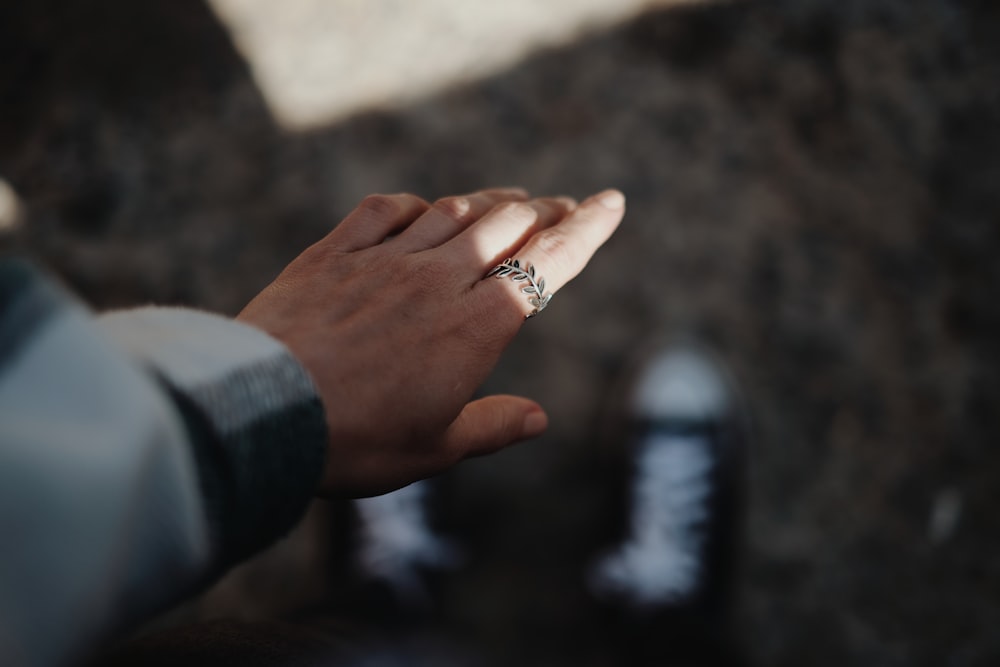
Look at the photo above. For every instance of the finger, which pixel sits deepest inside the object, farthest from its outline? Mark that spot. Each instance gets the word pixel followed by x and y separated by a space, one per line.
pixel 498 233
pixel 492 423
pixel 448 216
pixel 554 256
pixel 375 218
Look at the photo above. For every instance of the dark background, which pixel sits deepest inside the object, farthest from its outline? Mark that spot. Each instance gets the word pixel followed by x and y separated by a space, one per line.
pixel 814 189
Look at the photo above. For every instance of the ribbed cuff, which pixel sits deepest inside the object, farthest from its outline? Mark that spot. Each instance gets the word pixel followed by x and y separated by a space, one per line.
pixel 257 427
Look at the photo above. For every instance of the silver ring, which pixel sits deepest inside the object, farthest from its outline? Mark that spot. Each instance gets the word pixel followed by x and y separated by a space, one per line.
pixel 535 289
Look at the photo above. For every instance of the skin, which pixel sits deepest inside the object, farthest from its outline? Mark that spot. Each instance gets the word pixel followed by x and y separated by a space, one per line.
pixel 391 316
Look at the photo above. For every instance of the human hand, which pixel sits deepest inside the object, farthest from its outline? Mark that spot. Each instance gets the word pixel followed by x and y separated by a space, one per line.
pixel 393 319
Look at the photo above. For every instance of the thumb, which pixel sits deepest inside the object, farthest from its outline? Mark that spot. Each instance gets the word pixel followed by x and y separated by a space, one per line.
pixel 492 423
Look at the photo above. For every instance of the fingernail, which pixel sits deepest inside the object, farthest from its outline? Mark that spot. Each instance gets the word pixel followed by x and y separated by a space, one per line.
pixel 611 199
pixel 535 423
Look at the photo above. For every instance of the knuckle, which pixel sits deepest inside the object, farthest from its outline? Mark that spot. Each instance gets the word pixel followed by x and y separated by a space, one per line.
pixel 558 207
pixel 515 210
pixel 391 206
pixel 567 203
pixel 456 208
pixel 549 203
pixel 380 205
pixel 409 200
pixel 554 246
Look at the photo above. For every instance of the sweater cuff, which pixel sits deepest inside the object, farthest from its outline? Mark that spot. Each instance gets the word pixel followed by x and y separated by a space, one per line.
pixel 256 423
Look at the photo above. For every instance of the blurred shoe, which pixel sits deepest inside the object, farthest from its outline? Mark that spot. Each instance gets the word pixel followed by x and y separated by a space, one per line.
pixel 687 446
pixel 397 552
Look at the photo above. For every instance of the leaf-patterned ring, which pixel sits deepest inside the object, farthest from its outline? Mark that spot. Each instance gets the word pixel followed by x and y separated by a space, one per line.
pixel 535 289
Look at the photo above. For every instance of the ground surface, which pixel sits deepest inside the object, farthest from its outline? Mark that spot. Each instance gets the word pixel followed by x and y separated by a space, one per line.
pixel 814 189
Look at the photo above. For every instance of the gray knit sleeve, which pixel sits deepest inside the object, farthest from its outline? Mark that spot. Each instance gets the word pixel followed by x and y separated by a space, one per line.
pixel 252 414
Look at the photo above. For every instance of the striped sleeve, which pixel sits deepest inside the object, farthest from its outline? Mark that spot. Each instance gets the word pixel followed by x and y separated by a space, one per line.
pixel 252 413
pixel 140 453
